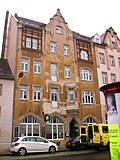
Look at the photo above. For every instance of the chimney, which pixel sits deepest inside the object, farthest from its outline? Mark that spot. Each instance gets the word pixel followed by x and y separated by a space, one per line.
pixel 4 35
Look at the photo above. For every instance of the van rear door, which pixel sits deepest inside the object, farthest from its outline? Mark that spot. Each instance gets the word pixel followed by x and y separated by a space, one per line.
pixel 96 133
pixel 83 134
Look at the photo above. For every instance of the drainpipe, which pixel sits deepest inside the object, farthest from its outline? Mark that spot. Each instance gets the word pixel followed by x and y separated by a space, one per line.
pixel 97 81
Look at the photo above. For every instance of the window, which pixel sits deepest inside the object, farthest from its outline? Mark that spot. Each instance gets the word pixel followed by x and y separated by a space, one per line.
pixel 104 77
pixel 112 61
pixel 37 66
pixel 67 71
pixel 102 58
pixel 87 97
pixel 86 74
pixel 54 94
pixel 119 61
pixel 23 92
pixel 53 72
pixel 37 91
pixel 53 47
pixel 28 42
pixel 66 50
pixel 0 111
pixel 113 78
pixel 84 55
pixel 89 120
pixel 98 40
pixel 34 43
pixel 71 94
pixel 59 30
pixel 31 43
pixel 29 126
pixel 55 129
pixel 24 64
pixel 113 45
pixel 0 89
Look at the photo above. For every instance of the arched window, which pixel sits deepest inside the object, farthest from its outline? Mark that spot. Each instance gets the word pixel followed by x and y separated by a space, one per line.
pixel 87 97
pixel 84 55
pixel 89 120
pixel 55 129
pixel 29 126
pixel 86 74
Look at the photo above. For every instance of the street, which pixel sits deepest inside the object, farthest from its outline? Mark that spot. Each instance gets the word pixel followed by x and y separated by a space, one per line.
pixel 66 155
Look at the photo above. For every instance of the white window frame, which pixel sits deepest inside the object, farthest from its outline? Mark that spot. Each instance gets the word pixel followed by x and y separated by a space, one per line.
pixel 53 72
pixel 59 30
pixel 112 61
pixel 89 120
pixel 34 43
pixel 54 98
pixel 84 55
pixel 67 71
pixel 28 42
pixel 54 94
pixel 86 74
pixel 88 97
pixel 37 93
pixel 53 47
pixel 24 64
pixel 102 58
pixel 27 122
pixel 66 50
pixel 71 95
pixel 104 77
pixel 54 125
pixel 23 92
pixel 113 78
pixel 37 66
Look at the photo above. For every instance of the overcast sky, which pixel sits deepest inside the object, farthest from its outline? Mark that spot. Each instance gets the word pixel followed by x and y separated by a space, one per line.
pixel 86 17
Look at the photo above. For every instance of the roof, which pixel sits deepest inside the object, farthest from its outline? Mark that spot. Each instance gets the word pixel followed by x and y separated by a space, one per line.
pixel 30 23
pixel 5 70
pixel 81 37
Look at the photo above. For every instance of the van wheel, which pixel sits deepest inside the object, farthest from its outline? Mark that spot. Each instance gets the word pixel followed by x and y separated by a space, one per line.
pixel 22 151
pixel 52 149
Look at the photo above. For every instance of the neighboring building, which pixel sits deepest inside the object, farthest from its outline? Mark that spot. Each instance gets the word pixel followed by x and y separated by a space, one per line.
pixel 6 104
pixel 107 50
pixel 55 75
pixel 88 82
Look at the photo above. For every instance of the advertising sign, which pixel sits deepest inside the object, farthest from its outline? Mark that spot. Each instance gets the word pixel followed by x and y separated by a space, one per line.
pixel 114 134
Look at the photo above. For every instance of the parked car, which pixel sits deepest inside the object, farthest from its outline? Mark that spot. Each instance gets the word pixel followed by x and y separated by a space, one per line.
pixel 32 144
pixel 73 143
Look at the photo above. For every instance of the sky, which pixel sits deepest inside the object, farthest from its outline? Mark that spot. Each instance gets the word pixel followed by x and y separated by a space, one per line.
pixel 86 17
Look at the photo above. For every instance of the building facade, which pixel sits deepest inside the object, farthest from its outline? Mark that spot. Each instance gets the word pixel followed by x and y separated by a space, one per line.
pixel 107 50
pixel 55 79
pixel 6 104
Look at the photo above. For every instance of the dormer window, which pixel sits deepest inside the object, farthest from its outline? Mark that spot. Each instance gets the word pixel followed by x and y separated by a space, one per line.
pixel 84 55
pixel 98 40
pixel 59 30
pixel 113 45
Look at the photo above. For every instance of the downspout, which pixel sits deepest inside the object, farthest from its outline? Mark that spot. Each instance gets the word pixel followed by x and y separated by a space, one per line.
pixel 97 82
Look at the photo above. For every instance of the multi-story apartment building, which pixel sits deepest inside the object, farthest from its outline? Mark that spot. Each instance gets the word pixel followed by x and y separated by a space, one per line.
pixel 107 51
pixel 55 78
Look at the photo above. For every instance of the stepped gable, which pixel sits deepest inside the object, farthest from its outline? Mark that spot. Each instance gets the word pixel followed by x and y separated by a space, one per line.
pixel 5 71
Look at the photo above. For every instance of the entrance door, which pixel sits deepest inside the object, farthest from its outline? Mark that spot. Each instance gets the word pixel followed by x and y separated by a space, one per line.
pixel 73 129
